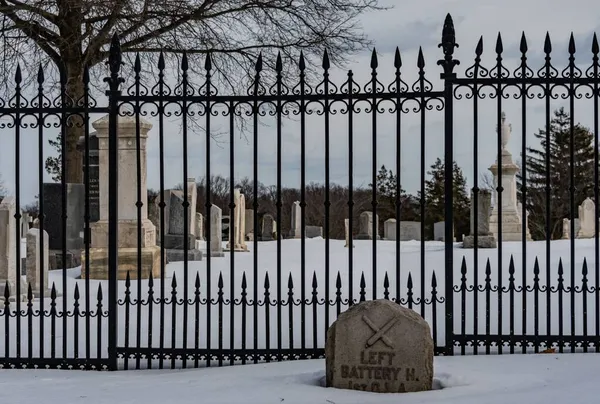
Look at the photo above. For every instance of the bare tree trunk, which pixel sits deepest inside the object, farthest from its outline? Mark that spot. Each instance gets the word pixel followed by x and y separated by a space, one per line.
pixel 73 63
pixel 74 130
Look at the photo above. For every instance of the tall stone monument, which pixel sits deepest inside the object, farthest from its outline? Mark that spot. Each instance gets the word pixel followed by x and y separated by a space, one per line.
pixel 511 219
pixel 238 226
pixel 128 211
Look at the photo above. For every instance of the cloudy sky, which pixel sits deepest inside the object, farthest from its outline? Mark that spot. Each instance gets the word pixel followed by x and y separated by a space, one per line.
pixel 408 25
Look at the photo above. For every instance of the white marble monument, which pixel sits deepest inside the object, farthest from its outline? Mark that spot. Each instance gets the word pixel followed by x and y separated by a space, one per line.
pixel 295 229
pixel 127 209
pixel 238 227
pixel 511 217
pixel 38 263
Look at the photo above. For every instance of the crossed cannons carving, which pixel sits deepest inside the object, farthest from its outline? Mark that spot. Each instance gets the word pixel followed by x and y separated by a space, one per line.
pixel 380 332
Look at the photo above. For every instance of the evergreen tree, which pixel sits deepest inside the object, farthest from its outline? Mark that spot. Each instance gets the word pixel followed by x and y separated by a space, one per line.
pixel 386 196
pixel 435 200
pixel 559 174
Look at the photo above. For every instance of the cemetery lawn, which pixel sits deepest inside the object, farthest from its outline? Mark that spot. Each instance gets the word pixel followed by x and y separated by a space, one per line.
pixel 516 379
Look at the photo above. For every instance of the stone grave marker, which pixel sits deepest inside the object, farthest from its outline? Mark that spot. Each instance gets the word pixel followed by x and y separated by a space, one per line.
pixel 199 226
pixel 216 232
pixel 410 231
pixel 586 219
pixel 389 229
pixel 296 225
pixel 366 226
pixel 74 226
pixel 268 228
pixel 37 268
pixel 485 239
pixel 379 346
pixel 249 222
pixel 313 231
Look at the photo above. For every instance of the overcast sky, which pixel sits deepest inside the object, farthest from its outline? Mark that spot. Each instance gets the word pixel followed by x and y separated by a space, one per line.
pixel 409 25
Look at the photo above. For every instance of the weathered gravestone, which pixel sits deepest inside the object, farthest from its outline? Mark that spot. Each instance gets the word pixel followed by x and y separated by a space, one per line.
pixel 410 231
pixel 268 228
pixel 37 262
pixel 8 244
pixel 379 346
pixel 485 239
pixel 296 225
pixel 249 223
pixel 313 231
pixel 94 173
pixel 389 229
pixel 53 223
pixel 365 221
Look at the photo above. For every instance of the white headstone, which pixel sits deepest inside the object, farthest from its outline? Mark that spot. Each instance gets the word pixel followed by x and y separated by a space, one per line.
pixel 366 226
pixel 238 226
pixel 192 192
pixel 586 219
pixel 8 260
pixel 216 236
pixel 295 229
pixel 37 262
pixel 347 232
pixel 410 231
pixel 199 226
pixel 389 229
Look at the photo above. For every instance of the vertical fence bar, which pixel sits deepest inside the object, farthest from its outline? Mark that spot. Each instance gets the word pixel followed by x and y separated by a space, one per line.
pixel 571 73
pixel 41 215
pixel 255 106
pixel 138 170
pixel 398 83
pixel 278 68
pixel 500 119
pixel 303 195
pixel 422 107
pixel 548 95
pixel 350 83
pixel 64 118
pixel 232 262
pixel 374 168
pixel 448 63
pixel 327 201
pixel 208 68
pixel 161 135
pixel 523 91
pixel 17 216
pixel 475 196
pixel 596 94
pixel 191 209
pixel 88 234
pixel 114 63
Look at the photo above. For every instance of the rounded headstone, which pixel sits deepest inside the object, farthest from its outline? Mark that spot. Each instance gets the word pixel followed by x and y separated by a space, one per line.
pixel 379 346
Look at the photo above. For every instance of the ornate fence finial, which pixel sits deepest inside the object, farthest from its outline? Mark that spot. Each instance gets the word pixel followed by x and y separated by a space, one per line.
pixel 448 44
pixel 114 63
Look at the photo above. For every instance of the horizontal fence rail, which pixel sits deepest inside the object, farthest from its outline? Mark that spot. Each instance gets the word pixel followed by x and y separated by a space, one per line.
pixel 227 269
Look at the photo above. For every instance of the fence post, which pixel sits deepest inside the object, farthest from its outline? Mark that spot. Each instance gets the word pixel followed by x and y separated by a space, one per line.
pixel 114 64
pixel 448 63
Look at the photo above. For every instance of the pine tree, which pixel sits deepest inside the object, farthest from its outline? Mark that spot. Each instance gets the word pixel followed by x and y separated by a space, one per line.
pixel 559 174
pixel 435 199
pixel 386 196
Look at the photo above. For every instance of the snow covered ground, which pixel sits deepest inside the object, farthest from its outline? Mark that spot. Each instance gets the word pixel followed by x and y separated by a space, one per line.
pixel 227 330
pixel 516 379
